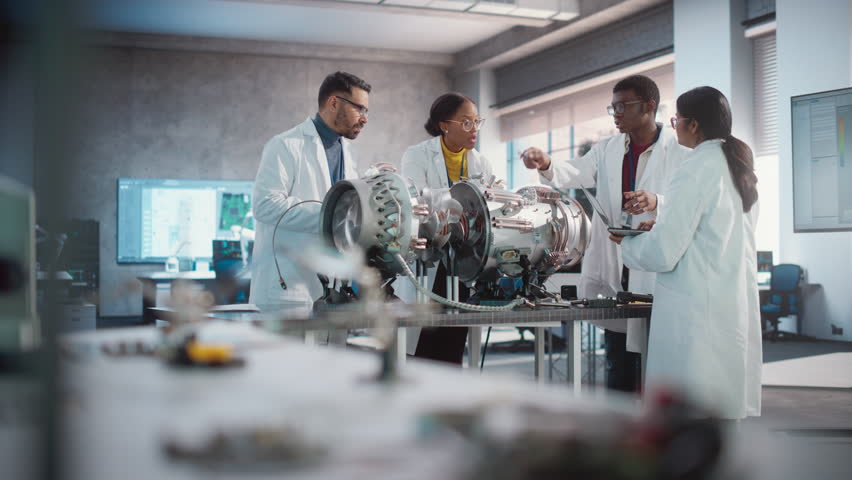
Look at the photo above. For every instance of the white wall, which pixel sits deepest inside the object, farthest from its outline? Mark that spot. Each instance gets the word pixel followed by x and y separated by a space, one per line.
pixel 711 49
pixel 814 54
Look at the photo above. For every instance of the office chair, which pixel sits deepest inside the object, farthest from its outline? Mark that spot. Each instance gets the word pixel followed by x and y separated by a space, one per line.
pixel 229 287
pixel 784 298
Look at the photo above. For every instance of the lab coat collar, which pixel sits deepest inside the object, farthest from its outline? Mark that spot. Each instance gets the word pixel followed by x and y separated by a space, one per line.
pixel 660 133
pixel 310 130
pixel 438 162
pixel 708 143
pixel 434 144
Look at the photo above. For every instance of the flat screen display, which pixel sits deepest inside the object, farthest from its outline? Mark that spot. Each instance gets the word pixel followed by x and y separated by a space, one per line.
pixel 158 218
pixel 822 162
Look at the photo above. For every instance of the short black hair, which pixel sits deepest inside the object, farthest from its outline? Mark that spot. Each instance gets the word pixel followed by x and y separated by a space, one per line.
pixel 340 82
pixel 644 87
pixel 442 109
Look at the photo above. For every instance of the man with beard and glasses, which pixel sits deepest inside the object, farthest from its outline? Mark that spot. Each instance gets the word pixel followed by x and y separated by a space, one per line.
pixel 298 165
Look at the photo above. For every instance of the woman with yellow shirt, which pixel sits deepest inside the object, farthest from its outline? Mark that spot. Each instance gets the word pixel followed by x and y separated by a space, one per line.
pixel 446 158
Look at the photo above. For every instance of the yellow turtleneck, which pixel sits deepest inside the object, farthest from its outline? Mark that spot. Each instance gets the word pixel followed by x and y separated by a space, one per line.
pixel 455 162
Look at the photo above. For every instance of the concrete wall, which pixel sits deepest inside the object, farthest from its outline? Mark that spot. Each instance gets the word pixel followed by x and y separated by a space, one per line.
pixel 814 54
pixel 164 113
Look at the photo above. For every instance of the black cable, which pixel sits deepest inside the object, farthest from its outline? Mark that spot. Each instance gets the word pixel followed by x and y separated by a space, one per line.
pixel 274 231
pixel 485 349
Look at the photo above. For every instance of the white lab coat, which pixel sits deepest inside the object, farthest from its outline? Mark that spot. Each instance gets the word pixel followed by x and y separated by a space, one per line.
pixel 601 167
pixel 293 168
pixel 705 325
pixel 424 164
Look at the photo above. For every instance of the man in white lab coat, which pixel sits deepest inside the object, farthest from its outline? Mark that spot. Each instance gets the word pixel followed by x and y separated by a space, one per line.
pixel 296 170
pixel 630 171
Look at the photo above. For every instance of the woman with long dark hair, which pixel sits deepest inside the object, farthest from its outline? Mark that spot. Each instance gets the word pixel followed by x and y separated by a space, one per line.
pixel 705 326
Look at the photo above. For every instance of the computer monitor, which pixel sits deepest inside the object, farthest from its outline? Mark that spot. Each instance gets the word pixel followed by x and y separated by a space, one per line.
pixel 822 167
pixel 159 218
pixel 764 266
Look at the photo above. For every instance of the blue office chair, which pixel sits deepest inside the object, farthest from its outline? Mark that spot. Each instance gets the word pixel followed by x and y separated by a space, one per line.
pixel 229 287
pixel 785 298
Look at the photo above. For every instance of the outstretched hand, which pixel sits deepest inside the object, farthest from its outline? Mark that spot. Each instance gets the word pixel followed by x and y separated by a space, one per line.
pixel 535 158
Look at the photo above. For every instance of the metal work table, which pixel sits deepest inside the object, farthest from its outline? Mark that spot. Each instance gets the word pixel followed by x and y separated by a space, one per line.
pixel 538 319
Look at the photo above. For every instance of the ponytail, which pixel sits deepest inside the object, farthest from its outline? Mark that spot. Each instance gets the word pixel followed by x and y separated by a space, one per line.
pixel 741 165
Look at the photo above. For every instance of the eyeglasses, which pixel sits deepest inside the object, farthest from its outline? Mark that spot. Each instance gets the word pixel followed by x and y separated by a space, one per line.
pixel 467 125
pixel 674 121
pixel 618 108
pixel 362 110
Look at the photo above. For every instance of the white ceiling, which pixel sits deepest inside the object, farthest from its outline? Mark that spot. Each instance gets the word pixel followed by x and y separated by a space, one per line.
pixel 323 23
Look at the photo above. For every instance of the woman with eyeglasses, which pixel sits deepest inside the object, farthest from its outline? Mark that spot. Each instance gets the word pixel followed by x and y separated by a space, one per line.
pixel 449 156
pixel 705 326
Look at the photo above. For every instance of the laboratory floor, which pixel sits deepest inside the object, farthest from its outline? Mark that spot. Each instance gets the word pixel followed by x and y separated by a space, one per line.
pixel 803 432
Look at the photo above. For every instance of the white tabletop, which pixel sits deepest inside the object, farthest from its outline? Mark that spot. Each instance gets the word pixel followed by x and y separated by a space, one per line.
pixel 120 409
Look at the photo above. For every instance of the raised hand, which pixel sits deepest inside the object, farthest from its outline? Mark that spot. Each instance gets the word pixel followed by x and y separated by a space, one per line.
pixel 535 158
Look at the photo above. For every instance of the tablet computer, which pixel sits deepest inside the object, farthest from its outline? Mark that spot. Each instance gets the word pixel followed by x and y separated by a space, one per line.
pixel 625 232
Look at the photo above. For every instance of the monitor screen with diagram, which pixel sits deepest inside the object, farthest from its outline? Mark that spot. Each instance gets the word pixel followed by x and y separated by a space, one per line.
pixel 158 218
pixel 822 165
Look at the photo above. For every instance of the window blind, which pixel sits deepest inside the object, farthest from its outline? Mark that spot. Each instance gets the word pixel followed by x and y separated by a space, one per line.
pixel 765 95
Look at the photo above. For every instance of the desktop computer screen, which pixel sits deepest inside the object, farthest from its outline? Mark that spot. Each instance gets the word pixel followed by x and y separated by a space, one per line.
pixel 822 168
pixel 158 218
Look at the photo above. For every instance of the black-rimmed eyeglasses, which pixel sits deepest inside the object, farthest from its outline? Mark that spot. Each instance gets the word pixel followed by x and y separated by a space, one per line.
pixel 362 110
pixel 618 107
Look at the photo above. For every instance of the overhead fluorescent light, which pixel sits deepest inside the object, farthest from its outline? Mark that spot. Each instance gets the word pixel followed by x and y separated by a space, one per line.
pixel 494 6
pixel 568 10
pixel 451 4
pixel 536 8
pixel 360 1
pixel 408 3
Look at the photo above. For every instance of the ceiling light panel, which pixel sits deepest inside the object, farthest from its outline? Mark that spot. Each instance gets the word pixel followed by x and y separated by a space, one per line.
pixel 407 3
pixel 536 8
pixel 568 10
pixel 451 4
pixel 494 6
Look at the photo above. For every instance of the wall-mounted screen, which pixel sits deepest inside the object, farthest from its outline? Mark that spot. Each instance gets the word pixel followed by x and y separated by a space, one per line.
pixel 822 162
pixel 158 218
